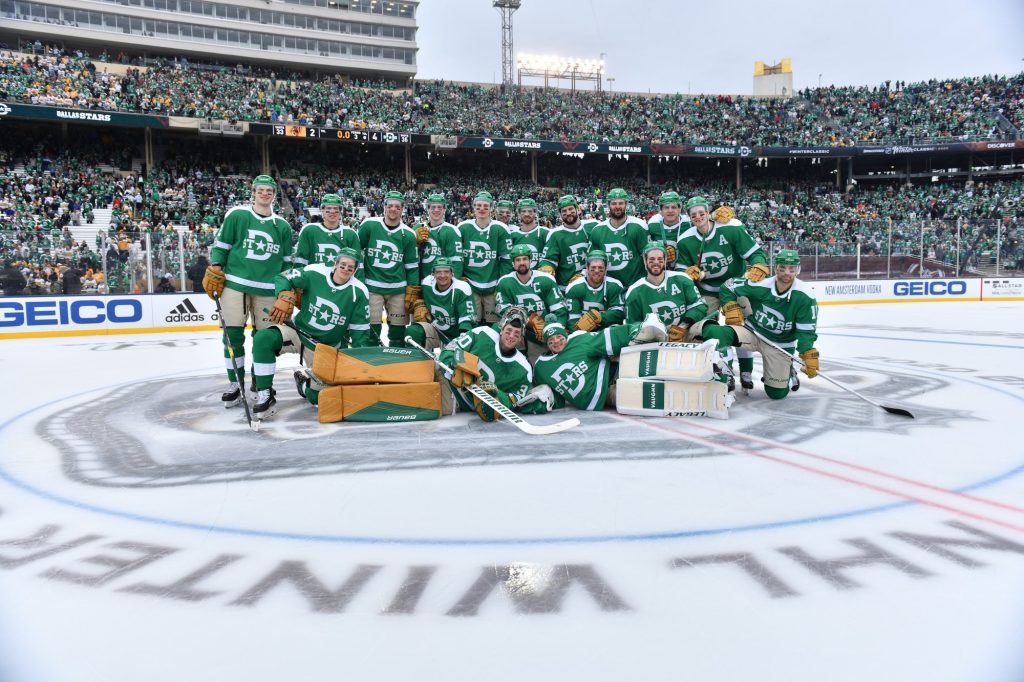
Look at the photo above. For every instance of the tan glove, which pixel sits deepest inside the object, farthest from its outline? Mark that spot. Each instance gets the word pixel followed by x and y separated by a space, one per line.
pixel 589 321
pixel 536 323
pixel 422 235
pixel 467 370
pixel 420 312
pixel 757 272
pixel 548 269
pixel 733 313
pixel 676 333
pixel 213 281
pixel 723 214
pixel 810 358
pixel 670 254
pixel 283 308
pixel 412 294
pixel 695 273
pixel 575 277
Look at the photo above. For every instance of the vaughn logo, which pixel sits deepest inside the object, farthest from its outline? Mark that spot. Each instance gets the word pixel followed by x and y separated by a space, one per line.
pixel 186 312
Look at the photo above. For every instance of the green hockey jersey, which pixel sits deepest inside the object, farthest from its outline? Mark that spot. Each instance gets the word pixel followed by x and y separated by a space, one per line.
pixel 485 255
pixel 252 249
pixel 539 294
pixel 669 234
pixel 565 251
pixel 607 297
pixel 673 300
pixel 535 239
pixel 389 257
pixel 446 241
pixel 453 309
pixel 725 253
pixel 318 244
pixel 329 313
pixel 581 373
pixel 789 319
pixel 512 374
pixel 624 246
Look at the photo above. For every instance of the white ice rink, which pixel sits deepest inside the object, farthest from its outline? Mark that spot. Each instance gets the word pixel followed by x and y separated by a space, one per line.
pixel 147 536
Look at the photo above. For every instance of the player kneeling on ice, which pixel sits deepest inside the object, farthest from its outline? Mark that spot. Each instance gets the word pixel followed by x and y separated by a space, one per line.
pixel 491 359
pixel 577 369
pixel 335 311
pixel 779 309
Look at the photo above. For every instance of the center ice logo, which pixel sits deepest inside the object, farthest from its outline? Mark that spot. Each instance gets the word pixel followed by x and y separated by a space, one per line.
pixel 325 315
pixel 384 255
pixel 571 378
pixel 715 264
pixel 259 245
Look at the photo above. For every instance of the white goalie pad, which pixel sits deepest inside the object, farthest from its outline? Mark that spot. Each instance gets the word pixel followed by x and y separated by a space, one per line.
pixel 669 361
pixel 672 398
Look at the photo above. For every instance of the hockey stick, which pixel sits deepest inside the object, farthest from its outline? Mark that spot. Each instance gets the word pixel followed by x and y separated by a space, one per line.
pixel 497 405
pixel 891 410
pixel 239 371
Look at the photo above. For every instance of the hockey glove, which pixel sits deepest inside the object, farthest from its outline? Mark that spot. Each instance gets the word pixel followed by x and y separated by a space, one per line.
pixel 283 308
pixel 422 235
pixel 548 269
pixel 536 324
pixel 412 294
pixel 213 281
pixel 733 313
pixel 589 321
pixel 723 214
pixel 695 273
pixel 485 411
pixel 542 394
pixel 757 272
pixel 670 254
pixel 810 358
pixel 420 312
pixel 575 277
pixel 676 333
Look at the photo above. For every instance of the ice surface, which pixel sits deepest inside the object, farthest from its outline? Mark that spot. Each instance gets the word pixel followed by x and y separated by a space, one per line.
pixel 146 534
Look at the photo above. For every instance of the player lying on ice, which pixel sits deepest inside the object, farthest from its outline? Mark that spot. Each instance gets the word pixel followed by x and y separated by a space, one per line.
pixel 781 309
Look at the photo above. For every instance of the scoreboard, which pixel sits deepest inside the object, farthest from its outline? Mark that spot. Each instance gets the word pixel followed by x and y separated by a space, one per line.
pixel 311 132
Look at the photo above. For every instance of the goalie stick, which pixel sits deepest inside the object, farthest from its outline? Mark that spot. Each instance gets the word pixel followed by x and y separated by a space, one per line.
pixel 239 371
pixel 891 410
pixel 497 405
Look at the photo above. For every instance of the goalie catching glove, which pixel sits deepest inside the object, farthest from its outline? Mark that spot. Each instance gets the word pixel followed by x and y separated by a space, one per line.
pixel 412 294
pixel 284 306
pixel 465 366
pixel 213 281
pixel 757 272
pixel 810 358
pixel 733 313
pixel 589 321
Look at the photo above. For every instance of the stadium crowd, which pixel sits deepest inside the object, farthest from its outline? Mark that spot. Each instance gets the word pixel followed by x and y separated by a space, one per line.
pixel 961 108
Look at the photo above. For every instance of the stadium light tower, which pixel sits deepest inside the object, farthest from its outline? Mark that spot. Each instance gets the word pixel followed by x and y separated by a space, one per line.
pixel 551 66
pixel 506 8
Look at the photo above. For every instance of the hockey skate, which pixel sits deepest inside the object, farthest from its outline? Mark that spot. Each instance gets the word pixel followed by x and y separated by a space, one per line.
pixel 231 397
pixel 263 407
pixel 746 382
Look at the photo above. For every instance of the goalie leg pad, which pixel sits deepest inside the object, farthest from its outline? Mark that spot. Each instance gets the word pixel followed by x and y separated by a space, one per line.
pixel 380 403
pixel 371 365
pixel 669 361
pixel 672 398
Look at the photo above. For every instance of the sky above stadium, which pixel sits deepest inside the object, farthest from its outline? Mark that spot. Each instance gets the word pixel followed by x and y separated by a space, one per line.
pixel 676 46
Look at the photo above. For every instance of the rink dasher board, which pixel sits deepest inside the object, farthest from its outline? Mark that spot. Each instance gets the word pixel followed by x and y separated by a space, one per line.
pixel 23 317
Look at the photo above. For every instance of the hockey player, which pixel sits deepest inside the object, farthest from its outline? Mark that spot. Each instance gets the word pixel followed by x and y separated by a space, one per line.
pixel 503 212
pixel 437 237
pixel 565 252
pixel 533 290
pixel 595 301
pixel 490 357
pixel 485 257
pixel 446 309
pixel 672 295
pixel 577 366
pixel 782 309
pixel 391 269
pixel 252 247
pixel 335 311
pixel 716 249
pixel 622 237
pixel 669 224
pixel 320 242
pixel 528 231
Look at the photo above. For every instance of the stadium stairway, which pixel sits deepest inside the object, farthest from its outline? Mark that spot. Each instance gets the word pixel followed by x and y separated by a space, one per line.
pixel 86 232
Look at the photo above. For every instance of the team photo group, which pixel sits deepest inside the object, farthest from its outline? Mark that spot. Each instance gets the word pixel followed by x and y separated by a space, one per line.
pixel 416 314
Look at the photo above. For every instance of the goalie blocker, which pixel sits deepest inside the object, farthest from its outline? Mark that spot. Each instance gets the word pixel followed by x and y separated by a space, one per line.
pixel 671 380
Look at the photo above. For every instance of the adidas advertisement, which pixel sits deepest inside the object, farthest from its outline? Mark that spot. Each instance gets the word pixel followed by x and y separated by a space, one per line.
pixel 186 312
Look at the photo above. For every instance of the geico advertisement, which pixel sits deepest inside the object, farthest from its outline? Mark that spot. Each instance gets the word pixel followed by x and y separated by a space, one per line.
pixel 105 313
pixel 889 290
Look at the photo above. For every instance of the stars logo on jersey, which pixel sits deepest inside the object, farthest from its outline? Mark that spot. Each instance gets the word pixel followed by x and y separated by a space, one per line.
pixel 532 302
pixel 259 245
pixel 571 378
pixel 578 254
pixel 325 315
pixel 772 320
pixel 384 255
pixel 327 253
pixel 618 256
pixel 442 318
pixel 480 255
pixel 715 263
pixel 668 313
